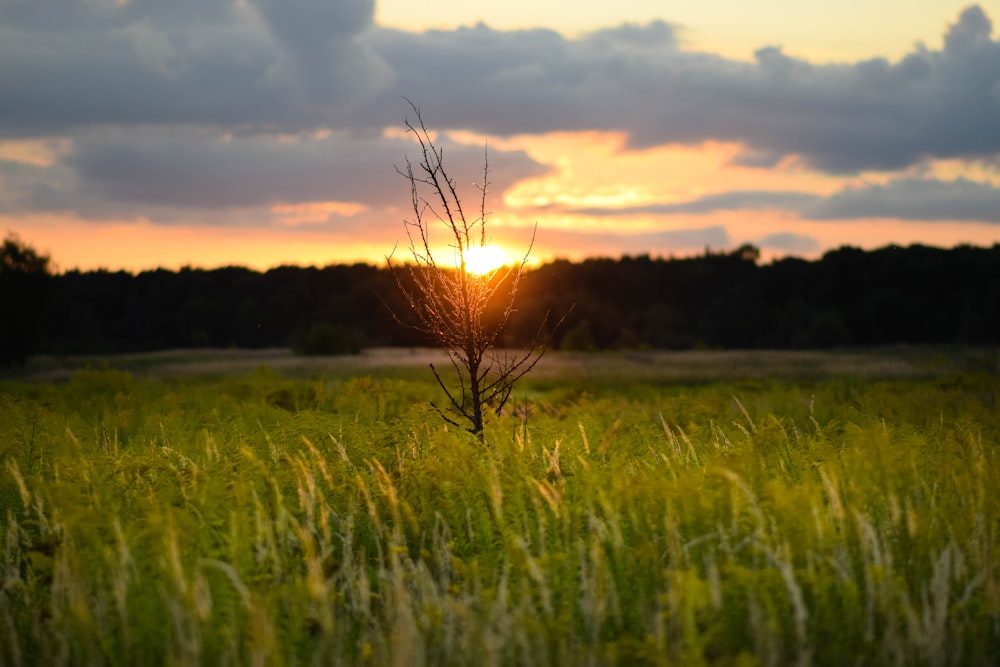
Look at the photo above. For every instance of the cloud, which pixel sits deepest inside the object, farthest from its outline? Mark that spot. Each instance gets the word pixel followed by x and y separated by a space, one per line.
pixel 192 168
pixel 302 65
pixel 914 199
pixel 159 62
pixel 652 243
pixel 715 236
pixel 208 109
pixel 788 242
pixel 658 35
pixel 839 118
pixel 15 179
pixel 55 16
pixel 736 200
pixel 326 60
pixel 922 199
pixel 137 75
pixel 972 31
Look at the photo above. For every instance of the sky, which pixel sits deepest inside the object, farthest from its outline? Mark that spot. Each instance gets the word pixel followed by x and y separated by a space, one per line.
pixel 137 134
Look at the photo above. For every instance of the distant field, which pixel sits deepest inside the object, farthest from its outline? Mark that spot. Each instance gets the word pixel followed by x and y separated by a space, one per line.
pixel 682 366
pixel 693 508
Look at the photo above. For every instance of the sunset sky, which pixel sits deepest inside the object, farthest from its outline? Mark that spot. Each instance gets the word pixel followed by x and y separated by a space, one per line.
pixel 144 133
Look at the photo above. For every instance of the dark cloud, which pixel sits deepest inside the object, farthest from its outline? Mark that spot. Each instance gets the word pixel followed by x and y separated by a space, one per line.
pixel 843 118
pixel 16 181
pixel 82 16
pixel 310 25
pixel 306 64
pixel 162 62
pixel 972 31
pixel 741 200
pixel 318 37
pixel 135 76
pixel 758 159
pixel 197 169
pixel 925 199
pixel 145 90
pixel 914 199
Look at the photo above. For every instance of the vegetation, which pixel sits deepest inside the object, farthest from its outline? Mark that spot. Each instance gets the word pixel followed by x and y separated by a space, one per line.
pixel 913 295
pixel 24 283
pixel 264 520
pixel 462 310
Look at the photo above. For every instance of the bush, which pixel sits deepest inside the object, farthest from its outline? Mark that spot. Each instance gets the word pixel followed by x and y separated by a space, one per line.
pixel 327 339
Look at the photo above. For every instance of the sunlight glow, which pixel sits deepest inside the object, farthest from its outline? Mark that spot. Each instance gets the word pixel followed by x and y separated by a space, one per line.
pixel 35 152
pixel 314 213
pixel 480 260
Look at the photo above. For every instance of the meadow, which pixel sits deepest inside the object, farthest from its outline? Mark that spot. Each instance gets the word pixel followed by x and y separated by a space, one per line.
pixel 622 511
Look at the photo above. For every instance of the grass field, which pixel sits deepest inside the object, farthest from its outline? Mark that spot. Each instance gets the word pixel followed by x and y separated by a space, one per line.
pixel 723 509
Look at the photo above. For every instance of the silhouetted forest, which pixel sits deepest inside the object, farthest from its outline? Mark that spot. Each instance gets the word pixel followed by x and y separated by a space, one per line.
pixel 849 297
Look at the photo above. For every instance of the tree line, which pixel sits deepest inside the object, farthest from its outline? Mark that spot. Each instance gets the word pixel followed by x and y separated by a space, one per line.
pixel 849 297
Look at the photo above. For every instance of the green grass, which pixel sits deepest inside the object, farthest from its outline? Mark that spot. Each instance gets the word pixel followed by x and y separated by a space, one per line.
pixel 266 520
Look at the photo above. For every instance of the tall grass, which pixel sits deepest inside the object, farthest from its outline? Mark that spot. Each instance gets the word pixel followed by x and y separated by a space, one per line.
pixel 267 521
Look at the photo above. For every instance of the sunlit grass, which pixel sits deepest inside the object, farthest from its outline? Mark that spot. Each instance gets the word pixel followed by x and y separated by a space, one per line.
pixel 263 520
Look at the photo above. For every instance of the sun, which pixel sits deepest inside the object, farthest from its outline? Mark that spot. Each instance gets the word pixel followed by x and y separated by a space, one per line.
pixel 480 260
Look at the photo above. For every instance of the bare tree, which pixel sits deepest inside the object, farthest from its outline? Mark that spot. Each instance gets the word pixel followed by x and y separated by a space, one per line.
pixel 465 312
